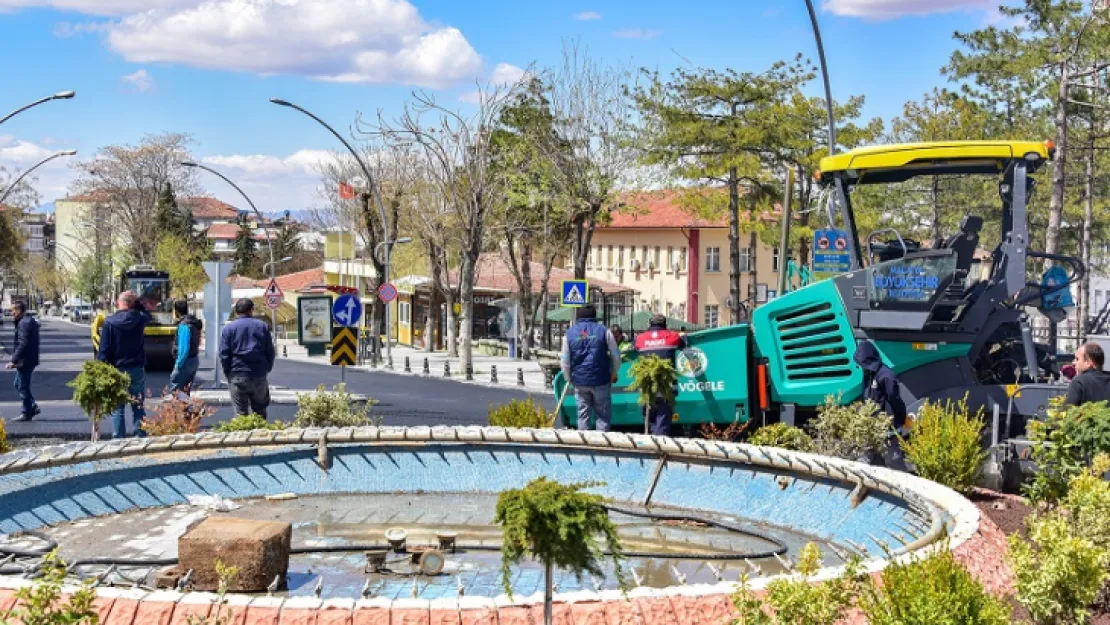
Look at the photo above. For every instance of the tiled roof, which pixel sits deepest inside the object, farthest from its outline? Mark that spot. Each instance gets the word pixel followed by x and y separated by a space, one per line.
pixel 662 210
pixel 293 282
pixel 222 231
pixel 210 208
pixel 494 274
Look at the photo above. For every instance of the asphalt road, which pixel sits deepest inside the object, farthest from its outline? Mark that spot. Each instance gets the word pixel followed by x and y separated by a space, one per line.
pixel 400 400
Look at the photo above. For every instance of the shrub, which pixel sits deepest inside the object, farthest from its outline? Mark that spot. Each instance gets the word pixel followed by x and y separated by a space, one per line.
pixel 98 390
pixel 852 432
pixel 1088 502
pixel 322 409
pixel 731 432
pixel 247 423
pixel 931 591
pixel 782 435
pixel 1064 444
pixel 796 600
pixel 1057 572
pixel 527 413
pixel 5 447
pixel 222 615
pixel 41 602
pixel 558 525
pixel 944 444
pixel 177 414
pixel 653 377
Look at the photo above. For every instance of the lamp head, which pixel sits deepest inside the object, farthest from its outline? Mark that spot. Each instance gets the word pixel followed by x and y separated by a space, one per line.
pixel 187 164
pixel 280 102
pixel 68 153
pixel 64 95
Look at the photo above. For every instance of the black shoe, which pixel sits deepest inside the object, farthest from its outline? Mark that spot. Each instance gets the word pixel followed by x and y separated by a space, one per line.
pixel 22 418
pixel 37 411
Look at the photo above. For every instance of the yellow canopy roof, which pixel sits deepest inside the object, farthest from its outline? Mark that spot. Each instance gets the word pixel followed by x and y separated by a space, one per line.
pixel 901 161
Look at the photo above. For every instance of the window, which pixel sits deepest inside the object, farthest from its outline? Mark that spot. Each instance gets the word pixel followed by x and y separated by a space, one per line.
pixel 775 259
pixel 682 259
pixel 670 309
pixel 34 245
pixel 712 314
pixel 404 311
pixel 1098 299
pixel 620 257
pixel 670 259
pixel 632 255
pixel 609 260
pixel 745 259
pixel 712 260
pixel 658 265
pixel 644 257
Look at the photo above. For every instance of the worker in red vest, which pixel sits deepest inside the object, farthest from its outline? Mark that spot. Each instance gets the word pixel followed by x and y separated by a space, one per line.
pixel 657 340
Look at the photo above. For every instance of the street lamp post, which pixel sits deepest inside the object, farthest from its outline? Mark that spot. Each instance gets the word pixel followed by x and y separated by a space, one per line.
pixel 15 183
pixel 61 95
pixel 381 209
pixel 258 215
pixel 824 77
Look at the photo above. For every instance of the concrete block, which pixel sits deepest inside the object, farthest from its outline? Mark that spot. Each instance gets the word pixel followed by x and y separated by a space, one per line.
pixel 260 550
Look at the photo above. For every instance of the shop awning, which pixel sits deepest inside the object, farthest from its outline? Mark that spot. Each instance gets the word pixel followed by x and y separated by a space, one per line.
pixel 636 322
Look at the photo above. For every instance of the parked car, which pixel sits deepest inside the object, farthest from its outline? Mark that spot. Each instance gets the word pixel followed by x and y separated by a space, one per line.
pixel 80 314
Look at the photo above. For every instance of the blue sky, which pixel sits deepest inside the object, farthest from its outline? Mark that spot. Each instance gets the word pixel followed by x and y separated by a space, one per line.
pixel 208 67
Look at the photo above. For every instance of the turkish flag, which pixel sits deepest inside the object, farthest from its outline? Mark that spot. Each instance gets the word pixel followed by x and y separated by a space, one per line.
pixel 346 191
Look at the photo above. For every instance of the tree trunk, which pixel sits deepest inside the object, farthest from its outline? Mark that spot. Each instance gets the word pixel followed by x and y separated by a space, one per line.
pixel 1083 310
pixel 584 225
pixel 734 245
pixel 452 328
pixel 1056 203
pixel 466 297
pixel 525 321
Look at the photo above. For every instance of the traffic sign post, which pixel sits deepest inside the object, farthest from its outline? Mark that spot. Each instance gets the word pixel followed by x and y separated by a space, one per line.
pixel 344 348
pixel 347 310
pixel 274 295
pixel 575 293
pixel 830 253
pixel 387 292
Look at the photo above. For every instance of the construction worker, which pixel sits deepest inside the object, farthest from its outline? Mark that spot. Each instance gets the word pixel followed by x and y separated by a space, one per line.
pixel 590 361
pixel 1091 383
pixel 657 340
pixel 623 344
pixel 881 386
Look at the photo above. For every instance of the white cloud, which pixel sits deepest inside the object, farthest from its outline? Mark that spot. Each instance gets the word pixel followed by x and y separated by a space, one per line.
pixel 273 183
pixel 94 7
pixel 889 9
pixel 637 33
pixel 586 16
pixel 141 81
pixel 363 41
pixel 506 74
pixel 51 180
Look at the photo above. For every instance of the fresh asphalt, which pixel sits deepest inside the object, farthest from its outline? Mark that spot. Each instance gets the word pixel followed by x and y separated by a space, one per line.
pixel 399 400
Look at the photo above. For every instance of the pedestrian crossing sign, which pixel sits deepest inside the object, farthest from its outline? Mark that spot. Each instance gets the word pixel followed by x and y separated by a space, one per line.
pixel 575 293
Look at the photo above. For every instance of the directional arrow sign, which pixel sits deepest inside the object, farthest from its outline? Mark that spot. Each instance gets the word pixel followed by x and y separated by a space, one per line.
pixel 347 310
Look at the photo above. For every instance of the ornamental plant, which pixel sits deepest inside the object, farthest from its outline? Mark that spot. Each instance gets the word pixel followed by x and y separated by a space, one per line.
pixel 322 409
pixel 526 413
pixel 1064 444
pixel 797 600
pixel 945 444
pixel 248 423
pixel 559 525
pixel 41 603
pixel 783 436
pixel 177 414
pixel 852 432
pixel 99 389
pixel 653 377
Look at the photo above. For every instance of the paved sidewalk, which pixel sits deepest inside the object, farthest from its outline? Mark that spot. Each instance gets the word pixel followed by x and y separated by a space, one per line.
pixel 507 368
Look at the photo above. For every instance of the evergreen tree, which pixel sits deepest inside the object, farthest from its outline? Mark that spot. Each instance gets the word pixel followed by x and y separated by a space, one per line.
pixel 170 219
pixel 246 251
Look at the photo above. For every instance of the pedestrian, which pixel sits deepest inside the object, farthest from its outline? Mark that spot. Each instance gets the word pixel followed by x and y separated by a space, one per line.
pixel 623 344
pixel 590 361
pixel 664 343
pixel 881 386
pixel 186 349
pixel 123 345
pixel 247 357
pixel 25 357
pixel 1091 383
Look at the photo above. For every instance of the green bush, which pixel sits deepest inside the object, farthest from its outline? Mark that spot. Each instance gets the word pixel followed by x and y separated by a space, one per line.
pixel 526 413
pixel 653 377
pixel 248 423
pixel 41 603
pixel 784 436
pixel 944 444
pixel 796 600
pixel 322 409
pixel 1064 444
pixel 5 446
pixel 852 432
pixel 1057 571
pixel 98 390
pixel 930 591
pixel 1088 502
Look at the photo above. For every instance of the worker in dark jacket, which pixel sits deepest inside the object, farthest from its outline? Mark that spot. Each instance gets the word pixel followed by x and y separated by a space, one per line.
pixel 664 343
pixel 123 345
pixel 25 357
pixel 1091 383
pixel 247 356
pixel 591 362
pixel 880 385
pixel 186 349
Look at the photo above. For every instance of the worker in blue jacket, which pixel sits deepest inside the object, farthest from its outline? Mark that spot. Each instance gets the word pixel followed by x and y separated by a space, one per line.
pixel 186 349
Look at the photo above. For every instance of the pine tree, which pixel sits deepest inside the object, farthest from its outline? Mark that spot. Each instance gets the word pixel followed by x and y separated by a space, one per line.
pixel 246 251
pixel 170 218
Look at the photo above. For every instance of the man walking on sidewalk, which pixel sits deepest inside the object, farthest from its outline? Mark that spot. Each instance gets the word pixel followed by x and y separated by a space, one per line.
pixel 247 357
pixel 186 349
pixel 591 361
pixel 123 345
pixel 25 357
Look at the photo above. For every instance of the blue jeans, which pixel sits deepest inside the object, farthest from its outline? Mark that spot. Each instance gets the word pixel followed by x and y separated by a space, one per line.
pixel 137 390
pixel 660 417
pixel 23 387
pixel 183 376
pixel 597 398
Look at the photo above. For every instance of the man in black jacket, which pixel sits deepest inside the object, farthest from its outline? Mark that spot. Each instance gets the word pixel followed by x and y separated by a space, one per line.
pixel 880 385
pixel 247 356
pixel 25 357
pixel 1092 383
pixel 123 345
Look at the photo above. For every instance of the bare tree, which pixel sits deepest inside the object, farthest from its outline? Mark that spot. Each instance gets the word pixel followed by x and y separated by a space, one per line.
pixel 591 152
pixel 457 152
pixel 127 180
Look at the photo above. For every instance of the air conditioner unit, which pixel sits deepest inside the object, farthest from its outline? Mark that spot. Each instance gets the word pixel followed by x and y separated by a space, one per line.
pixel 635 265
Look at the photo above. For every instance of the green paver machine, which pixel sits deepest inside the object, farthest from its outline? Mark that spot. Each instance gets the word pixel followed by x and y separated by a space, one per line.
pixel 948 324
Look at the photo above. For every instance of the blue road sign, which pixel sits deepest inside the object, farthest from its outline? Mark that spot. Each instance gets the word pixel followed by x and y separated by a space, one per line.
pixel 575 293
pixel 347 310
pixel 830 253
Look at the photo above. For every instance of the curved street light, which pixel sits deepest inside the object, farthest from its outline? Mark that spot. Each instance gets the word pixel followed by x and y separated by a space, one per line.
pixel 381 210
pixel 824 77
pixel 15 183
pixel 61 95
pixel 258 215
